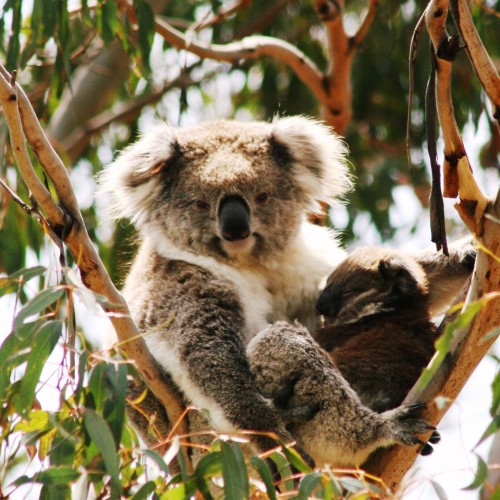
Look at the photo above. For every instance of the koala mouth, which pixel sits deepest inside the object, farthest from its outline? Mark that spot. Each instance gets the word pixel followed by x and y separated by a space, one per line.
pixel 235 248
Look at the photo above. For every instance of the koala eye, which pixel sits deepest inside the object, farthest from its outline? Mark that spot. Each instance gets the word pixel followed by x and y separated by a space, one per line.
pixel 202 205
pixel 261 198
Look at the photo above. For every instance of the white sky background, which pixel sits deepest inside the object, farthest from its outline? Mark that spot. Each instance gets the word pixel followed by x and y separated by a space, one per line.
pixel 452 464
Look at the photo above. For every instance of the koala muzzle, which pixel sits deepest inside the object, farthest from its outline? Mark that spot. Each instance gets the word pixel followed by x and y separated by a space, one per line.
pixel 234 218
pixel 326 304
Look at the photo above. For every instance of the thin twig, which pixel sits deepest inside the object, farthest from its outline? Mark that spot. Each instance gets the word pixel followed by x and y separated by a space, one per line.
pixel 365 25
pixel 411 80
pixel 438 229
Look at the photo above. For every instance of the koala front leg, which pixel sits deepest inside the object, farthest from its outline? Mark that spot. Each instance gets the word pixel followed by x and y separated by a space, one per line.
pixel 196 323
pixel 447 274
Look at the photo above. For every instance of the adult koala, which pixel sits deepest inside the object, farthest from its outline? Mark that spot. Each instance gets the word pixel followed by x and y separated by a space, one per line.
pixel 226 249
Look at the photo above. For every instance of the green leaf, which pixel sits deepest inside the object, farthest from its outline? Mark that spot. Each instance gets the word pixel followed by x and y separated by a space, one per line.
pixel 209 466
pixel 439 491
pixel 176 493
pixel 40 302
pixel 309 484
pixel 146 22
pixel 43 344
pixel 480 477
pixel 235 487
pixel 57 475
pixel 158 460
pixel 37 420
pixel 115 404
pixel 28 273
pixel 14 43
pixel 144 491
pixel 53 476
pixel 294 458
pixel 265 474
pixel 52 492
pixel 496 494
pixel 100 434
pixel 443 343
pixel 352 484
pixel 19 278
pixel 107 21
pixel 491 429
pixel 285 471
pixel 13 352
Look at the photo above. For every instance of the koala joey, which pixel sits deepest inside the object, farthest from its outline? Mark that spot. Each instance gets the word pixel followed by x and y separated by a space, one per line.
pixel 343 432
pixel 226 248
pixel 377 324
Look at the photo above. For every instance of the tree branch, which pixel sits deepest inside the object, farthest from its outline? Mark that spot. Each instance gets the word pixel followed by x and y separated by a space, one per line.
pixel 458 178
pixel 480 59
pixel 9 98
pixel 76 238
pixel 253 47
pixel 468 347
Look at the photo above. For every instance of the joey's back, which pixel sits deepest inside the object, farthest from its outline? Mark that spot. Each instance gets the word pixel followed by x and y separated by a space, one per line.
pixel 377 324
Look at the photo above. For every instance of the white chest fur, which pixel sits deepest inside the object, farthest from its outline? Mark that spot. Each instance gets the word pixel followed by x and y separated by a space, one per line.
pixel 281 289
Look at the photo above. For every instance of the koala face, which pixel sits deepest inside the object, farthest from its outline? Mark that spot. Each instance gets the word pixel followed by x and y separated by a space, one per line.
pixel 229 190
pixel 372 281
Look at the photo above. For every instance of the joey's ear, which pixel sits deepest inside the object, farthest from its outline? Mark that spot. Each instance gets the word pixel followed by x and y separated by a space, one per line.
pixel 407 279
pixel 127 185
pixel 317 156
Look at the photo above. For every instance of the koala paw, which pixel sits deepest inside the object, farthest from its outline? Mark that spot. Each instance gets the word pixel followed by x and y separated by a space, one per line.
pixel 468 255
pixel 408 424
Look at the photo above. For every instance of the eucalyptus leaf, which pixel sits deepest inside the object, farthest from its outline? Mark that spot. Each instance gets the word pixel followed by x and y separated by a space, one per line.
pixel 43 344
pixel 100 434
pixel 38 304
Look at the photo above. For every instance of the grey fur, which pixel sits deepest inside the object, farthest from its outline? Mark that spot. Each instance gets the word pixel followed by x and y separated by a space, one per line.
pixel 343 432
pixel 200 297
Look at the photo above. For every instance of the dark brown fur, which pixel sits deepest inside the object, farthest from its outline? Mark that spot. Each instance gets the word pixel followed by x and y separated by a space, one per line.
pixel 381 353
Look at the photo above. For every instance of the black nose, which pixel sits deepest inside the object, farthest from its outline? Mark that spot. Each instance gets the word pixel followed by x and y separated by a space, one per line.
pixel 326 303
pixel 234 218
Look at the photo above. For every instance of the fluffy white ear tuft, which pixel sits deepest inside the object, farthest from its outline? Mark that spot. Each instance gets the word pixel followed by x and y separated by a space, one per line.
pixel 318 157
pixel 127 186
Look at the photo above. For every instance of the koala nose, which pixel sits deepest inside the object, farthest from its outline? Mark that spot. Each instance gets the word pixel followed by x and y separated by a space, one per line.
pixel 326 304
pixel 234 218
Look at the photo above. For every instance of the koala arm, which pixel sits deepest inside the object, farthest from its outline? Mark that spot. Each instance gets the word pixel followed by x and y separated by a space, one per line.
pixel 447 274
pixel 201 343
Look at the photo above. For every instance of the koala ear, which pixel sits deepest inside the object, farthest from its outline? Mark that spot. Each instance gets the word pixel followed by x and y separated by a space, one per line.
pixel 128 184
pixel 317 156
pixel 407 279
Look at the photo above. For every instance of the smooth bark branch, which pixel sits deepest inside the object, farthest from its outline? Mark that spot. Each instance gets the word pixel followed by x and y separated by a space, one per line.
pixel 457 172
pixel 10 99
pixel 337 109
pixel 469 346
pixel 253 47
pixel 50 161
pixel 480 59
pixel 91 268
pixel 332 89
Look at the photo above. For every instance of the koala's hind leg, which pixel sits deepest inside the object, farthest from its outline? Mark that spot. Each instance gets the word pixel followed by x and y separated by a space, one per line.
pixel 447 274
pixel 343 432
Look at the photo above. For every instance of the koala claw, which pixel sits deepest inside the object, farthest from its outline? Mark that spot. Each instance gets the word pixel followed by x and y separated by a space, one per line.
pixel 426 450
pixel 435 437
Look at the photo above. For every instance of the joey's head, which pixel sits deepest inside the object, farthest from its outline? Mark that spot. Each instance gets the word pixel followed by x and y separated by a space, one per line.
pixel 372 282
pixel 234 191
